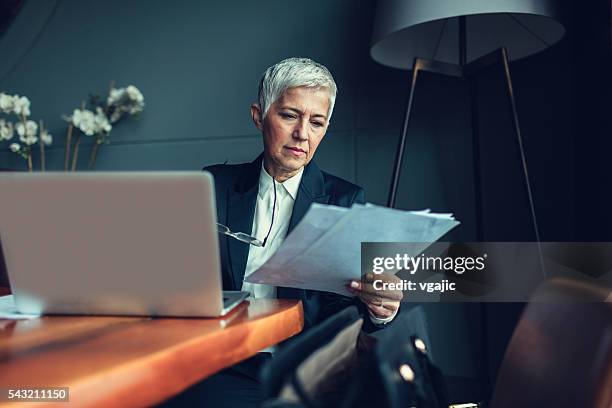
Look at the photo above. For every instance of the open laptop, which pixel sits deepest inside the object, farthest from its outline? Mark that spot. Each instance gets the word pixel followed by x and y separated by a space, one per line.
pixel 113 243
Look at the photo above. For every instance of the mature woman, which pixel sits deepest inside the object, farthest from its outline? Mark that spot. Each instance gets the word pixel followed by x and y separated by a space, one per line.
pixel 268 197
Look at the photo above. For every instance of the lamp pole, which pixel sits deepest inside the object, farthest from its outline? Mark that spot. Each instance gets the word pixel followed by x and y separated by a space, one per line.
pixel 462 41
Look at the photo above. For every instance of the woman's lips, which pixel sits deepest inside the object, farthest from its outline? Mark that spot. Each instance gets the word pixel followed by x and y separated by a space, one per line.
pixel 296 151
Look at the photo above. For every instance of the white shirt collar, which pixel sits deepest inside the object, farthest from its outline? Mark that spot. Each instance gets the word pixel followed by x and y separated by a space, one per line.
pixel 291 185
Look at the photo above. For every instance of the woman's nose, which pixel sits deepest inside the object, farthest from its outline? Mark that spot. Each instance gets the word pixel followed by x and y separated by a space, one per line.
pixel 301 130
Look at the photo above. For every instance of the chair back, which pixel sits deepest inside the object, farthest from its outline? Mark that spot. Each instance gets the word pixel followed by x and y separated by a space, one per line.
pixel 560 354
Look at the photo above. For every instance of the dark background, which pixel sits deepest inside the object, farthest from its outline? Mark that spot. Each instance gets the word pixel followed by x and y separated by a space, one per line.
pixel 198 65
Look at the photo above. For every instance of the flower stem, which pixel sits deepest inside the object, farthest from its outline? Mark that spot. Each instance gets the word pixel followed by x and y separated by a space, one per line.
pixel 75 155
pixel 29 154
pixel 41 143
pixel 94 155
pixel 68 143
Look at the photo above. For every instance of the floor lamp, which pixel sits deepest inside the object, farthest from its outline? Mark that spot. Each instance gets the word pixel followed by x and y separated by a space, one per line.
pixel 458 38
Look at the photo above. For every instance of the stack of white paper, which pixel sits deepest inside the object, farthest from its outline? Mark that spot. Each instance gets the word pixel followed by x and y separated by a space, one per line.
pixel 323 252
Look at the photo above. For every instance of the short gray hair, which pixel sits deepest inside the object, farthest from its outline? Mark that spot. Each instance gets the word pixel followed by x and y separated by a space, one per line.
pixel 291 73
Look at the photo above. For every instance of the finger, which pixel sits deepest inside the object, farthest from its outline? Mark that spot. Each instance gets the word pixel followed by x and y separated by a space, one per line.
pixel 375 299
pixel 392 306
pixel 380 312
pixel 354 285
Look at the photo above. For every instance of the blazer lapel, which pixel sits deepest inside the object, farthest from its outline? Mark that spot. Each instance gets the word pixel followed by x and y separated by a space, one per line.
pixel 240 212
pixel 312 190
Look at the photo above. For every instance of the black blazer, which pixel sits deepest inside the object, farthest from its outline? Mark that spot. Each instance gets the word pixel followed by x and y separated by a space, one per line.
pixel 236 189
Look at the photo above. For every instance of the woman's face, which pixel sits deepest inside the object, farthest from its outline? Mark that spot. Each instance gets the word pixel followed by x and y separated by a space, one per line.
pixel 293 128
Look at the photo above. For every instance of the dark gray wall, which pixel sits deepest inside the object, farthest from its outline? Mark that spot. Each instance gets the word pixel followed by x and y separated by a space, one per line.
pixel 197 64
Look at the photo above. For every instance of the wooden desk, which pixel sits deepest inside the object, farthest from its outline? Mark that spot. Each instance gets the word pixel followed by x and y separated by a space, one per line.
pixel 136 361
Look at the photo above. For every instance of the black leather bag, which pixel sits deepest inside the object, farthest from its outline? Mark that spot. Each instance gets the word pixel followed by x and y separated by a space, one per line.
pixel 336 365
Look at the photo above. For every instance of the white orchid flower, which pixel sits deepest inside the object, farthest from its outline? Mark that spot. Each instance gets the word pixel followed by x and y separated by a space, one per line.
pixel 124 100
pixel 29 130
pixel 102 123
pixel 6 130
pixel 115 96
pixel 84 120
pixel 29 140
pixel 46 137
pixel 76 117
pixel 15 147
pixel 6 103
pixel 134 94
pixel 21 105
pixel 21 131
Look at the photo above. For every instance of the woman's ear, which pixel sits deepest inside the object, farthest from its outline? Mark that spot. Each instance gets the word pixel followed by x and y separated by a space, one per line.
pixel 256 114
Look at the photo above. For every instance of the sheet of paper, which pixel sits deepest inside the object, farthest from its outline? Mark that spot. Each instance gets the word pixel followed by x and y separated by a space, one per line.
pixel 324 251
pixel 318 220
pixel 8 310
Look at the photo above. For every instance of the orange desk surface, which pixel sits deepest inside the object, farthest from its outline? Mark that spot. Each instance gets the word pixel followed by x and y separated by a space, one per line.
pixel 136 361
